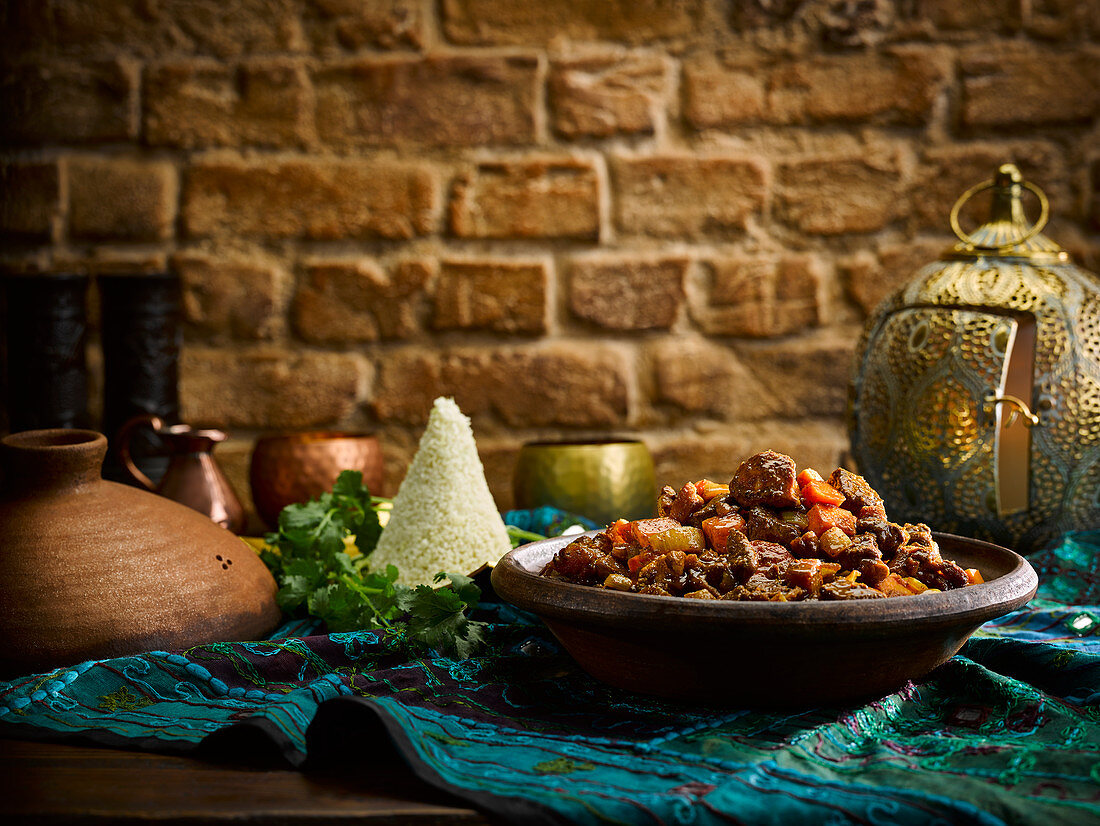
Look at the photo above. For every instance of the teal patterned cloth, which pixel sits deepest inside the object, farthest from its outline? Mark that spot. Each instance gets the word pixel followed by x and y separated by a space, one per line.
pixel 1006 732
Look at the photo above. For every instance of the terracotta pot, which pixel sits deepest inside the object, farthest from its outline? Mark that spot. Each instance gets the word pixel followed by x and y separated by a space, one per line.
pixel 92 569
pixel 295 467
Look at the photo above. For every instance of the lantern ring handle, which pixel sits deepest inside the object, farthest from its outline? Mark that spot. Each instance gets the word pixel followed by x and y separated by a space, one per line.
pixel 1036 228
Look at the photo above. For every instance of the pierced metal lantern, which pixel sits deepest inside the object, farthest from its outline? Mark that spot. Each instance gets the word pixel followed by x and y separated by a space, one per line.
pixel 975 405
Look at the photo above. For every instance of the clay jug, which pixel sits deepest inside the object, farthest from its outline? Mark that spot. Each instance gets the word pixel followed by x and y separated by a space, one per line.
pixel 193 477
pixel 92 569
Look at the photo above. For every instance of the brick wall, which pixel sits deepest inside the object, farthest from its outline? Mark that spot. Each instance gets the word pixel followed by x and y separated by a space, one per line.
pixel 666 218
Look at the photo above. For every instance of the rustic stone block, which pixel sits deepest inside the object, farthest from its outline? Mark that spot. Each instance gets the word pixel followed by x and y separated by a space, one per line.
pixel 687 196
pixel 1017 84
pixel 627 293
pixel 868 279
pixel 122 198
pixel 947 172
pixel 560 384
pixel 977 20
pixel 496 295
pixel 237 297
pixel 898 86
pixel 531 198
pixel 206 103
pixel 29 199
pixel 344 301
pixel 1062 19
pixel 520 22
pixel 697 376
pixel 762 296
pixel 317 198
pixel 608 94
pixel 334 25
pixel 67 103
pixel 1094 199
pixel 437 101
pixel 149 30
pixel 268 388
pixel 838 195
pixel 808 376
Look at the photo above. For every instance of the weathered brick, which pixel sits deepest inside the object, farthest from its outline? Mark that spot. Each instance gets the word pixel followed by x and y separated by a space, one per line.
pixel 978 20
pixel 545 385
pixel 268 387
pixel 1016 84
pixel 808 376
pixel 838 195
pixel 530 198
pixel 345 301
pixel 716 455
pixel 238 297
pixel 1094 199
pixel 317 198
pixel 497 295
pixel 627 293
pixel 29 199
pixel 438 101
pixel 149 30
pixel 608 94
pixel 898 86
pixel 66 102
pixel 334 25
pixel 207 103
pixel 724 93
pixel 945 173
pixel 122 198
pixel 698 376
pixel 1062 19
pixel 687 196
pixel 868 278
pixel 762 296
pixel 515 22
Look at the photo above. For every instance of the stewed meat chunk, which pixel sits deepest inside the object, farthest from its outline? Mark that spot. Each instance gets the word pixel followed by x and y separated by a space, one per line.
pixel 768 478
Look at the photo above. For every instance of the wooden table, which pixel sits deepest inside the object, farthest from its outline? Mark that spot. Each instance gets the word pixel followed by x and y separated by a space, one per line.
pixel 44 783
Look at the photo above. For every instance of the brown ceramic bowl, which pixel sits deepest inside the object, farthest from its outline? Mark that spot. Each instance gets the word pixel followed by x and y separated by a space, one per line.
pixel 764 653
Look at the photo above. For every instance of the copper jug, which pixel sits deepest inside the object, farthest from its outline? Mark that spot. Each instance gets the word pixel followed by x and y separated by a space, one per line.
pixel 193 477
pixel 975 405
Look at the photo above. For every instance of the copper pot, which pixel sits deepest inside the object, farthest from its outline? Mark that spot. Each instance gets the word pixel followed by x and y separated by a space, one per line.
pixel 295 467
pixel 193 477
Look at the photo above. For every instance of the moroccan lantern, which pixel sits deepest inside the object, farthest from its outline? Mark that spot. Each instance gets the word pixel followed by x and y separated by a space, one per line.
pixel 975 402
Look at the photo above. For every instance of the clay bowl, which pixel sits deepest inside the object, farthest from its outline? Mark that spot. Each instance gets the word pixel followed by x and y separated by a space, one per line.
pixel 759 653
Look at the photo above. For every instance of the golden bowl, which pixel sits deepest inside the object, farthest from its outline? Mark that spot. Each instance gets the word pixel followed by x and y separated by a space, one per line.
pixel 603 480
pixel 296 467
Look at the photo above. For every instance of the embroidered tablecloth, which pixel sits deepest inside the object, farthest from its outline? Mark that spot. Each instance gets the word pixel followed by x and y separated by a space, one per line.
pixel 1006 732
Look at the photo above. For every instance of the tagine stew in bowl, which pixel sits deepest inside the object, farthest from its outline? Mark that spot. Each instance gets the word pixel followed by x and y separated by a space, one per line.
pixel 780 588
pixel 771 534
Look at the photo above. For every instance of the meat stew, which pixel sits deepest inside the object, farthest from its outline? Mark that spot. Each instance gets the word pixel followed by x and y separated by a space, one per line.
pixel 772 534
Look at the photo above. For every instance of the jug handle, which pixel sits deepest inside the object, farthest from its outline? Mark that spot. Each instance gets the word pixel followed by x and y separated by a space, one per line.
pixel 123 438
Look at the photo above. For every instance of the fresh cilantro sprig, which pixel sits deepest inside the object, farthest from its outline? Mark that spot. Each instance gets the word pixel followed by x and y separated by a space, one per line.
pixel 309 558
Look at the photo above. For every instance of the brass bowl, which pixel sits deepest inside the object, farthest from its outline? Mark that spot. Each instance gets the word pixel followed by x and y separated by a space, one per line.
pixel 295 467
pixel 603 480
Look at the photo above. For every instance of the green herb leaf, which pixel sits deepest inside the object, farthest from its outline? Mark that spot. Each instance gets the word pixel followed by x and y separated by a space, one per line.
pixel 316 575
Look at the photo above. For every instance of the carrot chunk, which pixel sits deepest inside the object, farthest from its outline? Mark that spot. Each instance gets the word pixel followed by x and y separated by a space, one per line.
pixel 822 517
pixel 823 493
pixel 719 528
